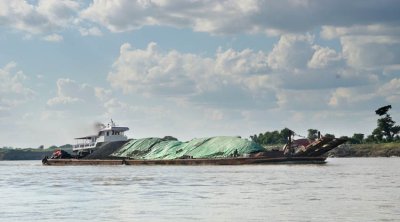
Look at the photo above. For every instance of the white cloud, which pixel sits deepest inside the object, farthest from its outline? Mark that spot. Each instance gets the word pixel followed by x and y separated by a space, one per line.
pixel 150 71
pixel 332 32
pixel 313 78
pixel 343 97
pixel 73 94
pixel 371 46
pixel 218 80
pixel 367 52
pixel 323 57
pixel 93 31
pixel 38 17
pixel 229 16
pixel 336 18
pixel 13 89
pixel 246 62
pixel 124 15
pixel 291 52
pixel 61 12
pixel 53 38
pixel 120 15
pixel 391 90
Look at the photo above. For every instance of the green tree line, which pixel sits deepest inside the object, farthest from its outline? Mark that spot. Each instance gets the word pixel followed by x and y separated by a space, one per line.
pixel 386 131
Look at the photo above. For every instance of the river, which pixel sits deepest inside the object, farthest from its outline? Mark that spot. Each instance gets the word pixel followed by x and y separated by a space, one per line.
pixel 344 189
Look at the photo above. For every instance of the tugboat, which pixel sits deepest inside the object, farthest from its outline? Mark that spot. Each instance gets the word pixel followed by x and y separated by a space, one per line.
pixel 88 144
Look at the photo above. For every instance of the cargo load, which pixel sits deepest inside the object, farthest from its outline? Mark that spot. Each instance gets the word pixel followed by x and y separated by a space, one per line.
pixel 211 147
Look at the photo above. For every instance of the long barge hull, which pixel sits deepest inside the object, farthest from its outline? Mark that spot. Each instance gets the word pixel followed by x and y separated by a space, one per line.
pixel 222 161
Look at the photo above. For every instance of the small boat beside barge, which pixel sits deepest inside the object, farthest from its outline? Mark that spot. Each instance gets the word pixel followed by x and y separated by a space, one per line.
pixel 111 147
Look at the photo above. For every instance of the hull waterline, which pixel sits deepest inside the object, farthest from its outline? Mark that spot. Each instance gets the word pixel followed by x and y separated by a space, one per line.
pixel 222 161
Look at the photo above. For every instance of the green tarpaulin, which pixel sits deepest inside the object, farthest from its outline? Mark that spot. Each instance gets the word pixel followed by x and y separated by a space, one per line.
pixel 213 147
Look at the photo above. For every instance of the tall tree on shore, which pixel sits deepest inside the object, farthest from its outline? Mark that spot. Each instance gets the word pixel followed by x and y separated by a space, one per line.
pixel 357 138
pixel 386 129
pixel 273 137
pixel 312 134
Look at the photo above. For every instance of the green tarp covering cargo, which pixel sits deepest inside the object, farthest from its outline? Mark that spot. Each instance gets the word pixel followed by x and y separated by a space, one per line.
pixel 212 147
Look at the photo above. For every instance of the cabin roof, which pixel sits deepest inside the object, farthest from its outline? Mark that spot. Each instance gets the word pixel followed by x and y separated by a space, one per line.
pixel 115 128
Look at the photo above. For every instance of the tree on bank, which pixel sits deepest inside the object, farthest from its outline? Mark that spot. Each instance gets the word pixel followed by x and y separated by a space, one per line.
pixel 272 138
pixel 386 130
pixel 357 138
pixel 281 137
pixel 312 134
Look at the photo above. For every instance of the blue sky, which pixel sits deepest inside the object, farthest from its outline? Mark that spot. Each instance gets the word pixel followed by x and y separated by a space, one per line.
pixel 195 68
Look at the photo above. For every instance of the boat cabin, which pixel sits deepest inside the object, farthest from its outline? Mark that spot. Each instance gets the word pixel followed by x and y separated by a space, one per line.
pixel 109 133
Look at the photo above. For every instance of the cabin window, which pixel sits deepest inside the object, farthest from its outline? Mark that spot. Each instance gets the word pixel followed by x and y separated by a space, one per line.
pixel 107 133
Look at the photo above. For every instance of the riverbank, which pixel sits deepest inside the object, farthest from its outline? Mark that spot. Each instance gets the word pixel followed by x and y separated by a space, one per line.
pixel 27 154
pixel 366 150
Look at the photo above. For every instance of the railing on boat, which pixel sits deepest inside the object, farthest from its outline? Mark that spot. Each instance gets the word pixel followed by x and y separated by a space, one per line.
pixel 84 145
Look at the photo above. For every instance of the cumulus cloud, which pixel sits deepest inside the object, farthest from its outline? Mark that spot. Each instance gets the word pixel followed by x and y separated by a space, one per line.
pixel 41 17
pixel 125 15
pixel 239 16
pixel 13 89
pixel 248 62
pixel 291 52
pixel 228 78
pixel 368 30
pixel 70 92
pixel 369 46
pixel 323 57
pixel 368 52
pixel 243 79
pixel 150 71
pixel 137 69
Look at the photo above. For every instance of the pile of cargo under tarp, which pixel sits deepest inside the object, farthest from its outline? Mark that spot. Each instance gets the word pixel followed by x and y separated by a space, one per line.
pixel 105 150
pixel 213 147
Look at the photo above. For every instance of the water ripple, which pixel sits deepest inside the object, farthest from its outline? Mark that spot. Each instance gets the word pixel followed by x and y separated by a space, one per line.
pixel 356 189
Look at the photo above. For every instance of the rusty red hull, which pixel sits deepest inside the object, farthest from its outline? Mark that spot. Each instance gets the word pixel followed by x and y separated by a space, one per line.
pixel 222 161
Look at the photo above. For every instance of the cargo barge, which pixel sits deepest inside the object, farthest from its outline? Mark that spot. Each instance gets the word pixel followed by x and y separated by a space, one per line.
pixel 215 161
pixel 111 147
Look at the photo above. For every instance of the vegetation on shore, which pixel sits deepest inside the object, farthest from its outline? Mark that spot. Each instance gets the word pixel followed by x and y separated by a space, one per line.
pixel 383 141
pixel 366 150
pixel 9 153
